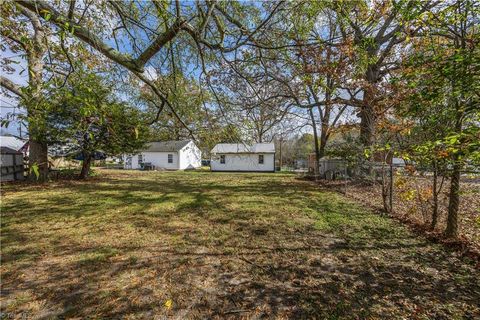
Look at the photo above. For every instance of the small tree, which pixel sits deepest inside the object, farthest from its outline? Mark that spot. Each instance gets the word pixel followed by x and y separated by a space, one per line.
pixel 88 118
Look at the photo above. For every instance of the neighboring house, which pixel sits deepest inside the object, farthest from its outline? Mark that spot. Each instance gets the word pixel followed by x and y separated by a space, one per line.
pixel 170 155
pixel 241 157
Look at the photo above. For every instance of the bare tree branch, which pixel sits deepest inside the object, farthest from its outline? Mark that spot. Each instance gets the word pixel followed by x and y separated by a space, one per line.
pixel 12 87
pixel 83 33
pixel 160 42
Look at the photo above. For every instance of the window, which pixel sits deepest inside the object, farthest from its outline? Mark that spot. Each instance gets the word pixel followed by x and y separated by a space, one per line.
pixel 260 158
pixel 222 159
pixel 170 158
pixel 140 158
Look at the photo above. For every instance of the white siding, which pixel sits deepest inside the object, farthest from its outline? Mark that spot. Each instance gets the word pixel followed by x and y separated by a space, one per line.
pixel 130 161
pixel 243 162
pixel 160 159
pixel 190 157
pixel 157 159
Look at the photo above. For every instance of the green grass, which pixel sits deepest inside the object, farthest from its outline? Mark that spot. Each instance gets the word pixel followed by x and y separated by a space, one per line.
pixel 218 245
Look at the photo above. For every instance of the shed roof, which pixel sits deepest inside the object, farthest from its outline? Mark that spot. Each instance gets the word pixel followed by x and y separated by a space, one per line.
pixel 166 146
pixel 243 148
pixel 12 142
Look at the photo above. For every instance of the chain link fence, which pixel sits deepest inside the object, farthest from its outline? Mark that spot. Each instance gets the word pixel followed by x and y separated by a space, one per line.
pixel 408 191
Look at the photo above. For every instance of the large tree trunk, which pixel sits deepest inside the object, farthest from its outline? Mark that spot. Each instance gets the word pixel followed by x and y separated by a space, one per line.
pixel 367 114
pixel 38 148
pixel 454 200
pixel 325 119
pixel 433 225
pixel 323 142
pixel 315 138
pixel 87 161
pixel 38 157
pixel 367 125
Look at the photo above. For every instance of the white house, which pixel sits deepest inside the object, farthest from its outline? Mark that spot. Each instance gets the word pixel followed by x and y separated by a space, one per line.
pixel 240 157
pixel 170 155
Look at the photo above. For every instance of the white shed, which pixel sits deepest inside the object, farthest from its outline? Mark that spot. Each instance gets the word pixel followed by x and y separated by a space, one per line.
pixel 259 157
pixel 170 155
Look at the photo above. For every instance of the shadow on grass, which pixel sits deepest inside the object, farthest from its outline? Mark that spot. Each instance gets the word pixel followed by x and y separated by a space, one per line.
pixel 224 246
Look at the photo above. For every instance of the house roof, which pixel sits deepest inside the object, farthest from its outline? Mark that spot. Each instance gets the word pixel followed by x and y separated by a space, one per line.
pixel 166 146
pixel 243 148
pixel 12 142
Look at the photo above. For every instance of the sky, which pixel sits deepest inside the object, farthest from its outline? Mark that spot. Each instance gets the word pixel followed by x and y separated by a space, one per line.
pixel 9 104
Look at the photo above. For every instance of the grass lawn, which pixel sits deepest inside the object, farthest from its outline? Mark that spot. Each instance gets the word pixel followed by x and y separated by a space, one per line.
pixel 188 245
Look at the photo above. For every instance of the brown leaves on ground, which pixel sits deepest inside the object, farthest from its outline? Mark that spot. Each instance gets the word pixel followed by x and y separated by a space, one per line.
pixel 412 203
